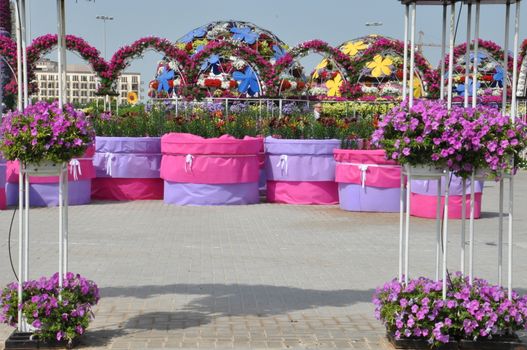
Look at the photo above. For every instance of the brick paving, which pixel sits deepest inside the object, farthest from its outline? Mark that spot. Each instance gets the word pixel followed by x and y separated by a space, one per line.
pixel 260 276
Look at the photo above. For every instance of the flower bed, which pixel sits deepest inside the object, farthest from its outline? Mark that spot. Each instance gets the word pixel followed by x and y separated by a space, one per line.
pixel 216 171
pixel 44 190
pixel 367 181
pixel 301 171
pixel 424 198
pixel 127 168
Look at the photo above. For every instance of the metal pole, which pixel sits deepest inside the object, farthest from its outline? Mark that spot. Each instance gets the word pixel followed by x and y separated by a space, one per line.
pixel 405 52
pixel 438 228
pixel 443 49
pixel 506 58
pixel 500 236
pixel 476 59
pixel 451 54
pixel 21 182
pixel 445 236
pixel 515 61
pixel 463 220
pixel 61 27
pixel 511 202
pixel 65 217
pixel 471 229
pixel 24 50
pixel 61 231
pixel 407 228
pixel 401 226
pixel 412 56
pixel 20 104
pixel 26 229
pixel 467 61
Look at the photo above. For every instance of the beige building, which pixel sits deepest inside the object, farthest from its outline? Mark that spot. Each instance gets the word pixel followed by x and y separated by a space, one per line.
pixel 82 83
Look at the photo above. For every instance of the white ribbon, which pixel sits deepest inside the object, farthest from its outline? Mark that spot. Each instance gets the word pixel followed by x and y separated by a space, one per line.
pixel 363 168
pixel 75 168
pixel 282 164
pixel 188 163
pixel 109 157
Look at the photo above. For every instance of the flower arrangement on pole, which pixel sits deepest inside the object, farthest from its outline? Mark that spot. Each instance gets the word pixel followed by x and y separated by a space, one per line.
pixel 44 132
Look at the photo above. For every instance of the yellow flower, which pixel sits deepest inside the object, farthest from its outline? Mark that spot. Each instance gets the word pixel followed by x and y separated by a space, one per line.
pixel 132 97
pixel 380 66
pixel 418 90
pixel 334 85
pixel 323 64
pixel 352 48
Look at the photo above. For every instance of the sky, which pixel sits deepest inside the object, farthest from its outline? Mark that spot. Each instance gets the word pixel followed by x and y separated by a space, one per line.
pixel 293 21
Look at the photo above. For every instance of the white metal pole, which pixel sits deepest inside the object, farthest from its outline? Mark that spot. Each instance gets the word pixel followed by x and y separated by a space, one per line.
pixel 511 202
pixel 26 228
pixel 20 104
pixel 467 61
pixel 476 59
pixel 438 228
pixel 506 58
pixel 407 224
pixel 515 61
pixel 61 229
pixel 412 56
pixel 443 52
pixel 500 236
pixel 471 229
pixel 61 40
pixel 405 52
pixel 65 217
pixel 401 226
pixel 24 50
pixel 463 222
pixel 20 238
pixel 445 236
pixel 451 53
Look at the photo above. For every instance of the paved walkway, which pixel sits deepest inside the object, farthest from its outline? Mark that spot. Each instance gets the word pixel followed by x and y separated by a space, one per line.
pixel 260 276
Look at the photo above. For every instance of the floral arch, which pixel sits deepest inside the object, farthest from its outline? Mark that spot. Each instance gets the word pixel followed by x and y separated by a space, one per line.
pixel 522 77
pixel 8 53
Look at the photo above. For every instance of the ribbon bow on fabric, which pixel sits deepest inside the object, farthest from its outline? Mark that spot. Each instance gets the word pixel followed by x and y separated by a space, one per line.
pixel 75 168
pixel 109 158
pixel 282 164
pixel 363 168
pixel 189 158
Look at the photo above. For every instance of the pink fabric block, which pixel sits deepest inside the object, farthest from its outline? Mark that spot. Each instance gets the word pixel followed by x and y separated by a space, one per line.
pixel 126 189
pixel 424 206
pixel 181 143
pixel 302 192
pixel 3 204
pixel 86 166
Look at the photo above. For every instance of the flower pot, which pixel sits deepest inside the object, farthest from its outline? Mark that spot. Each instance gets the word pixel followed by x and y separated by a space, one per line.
pixel 418 343
pixel 424 171
pixel 496 343
pixel 301 171
pixel 217 171
pixel 127 168
pixel 367 181
pixel 44 182
pixel 423 198
pixel 25 340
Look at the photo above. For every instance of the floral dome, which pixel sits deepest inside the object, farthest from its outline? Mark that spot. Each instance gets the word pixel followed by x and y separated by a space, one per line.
pixel 375 73
pixel 491 74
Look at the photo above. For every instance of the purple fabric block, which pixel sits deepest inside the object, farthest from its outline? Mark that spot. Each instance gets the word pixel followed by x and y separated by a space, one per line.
pixel 127 157
pixel 302 147
pixel 3 167
pixel 353 197
pixel 262 181
pixel 204 194
pixel 300 167
pixel 429 187
pixel 47 195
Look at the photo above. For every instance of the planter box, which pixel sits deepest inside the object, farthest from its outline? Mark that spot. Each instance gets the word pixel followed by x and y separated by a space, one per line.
pixel 367 181
pixel 24 340
pixel 301 171
pixel 44 190
pixel 217 171
pixel 424 198
pixel 418 343
pixel 500 343
pixel 127 168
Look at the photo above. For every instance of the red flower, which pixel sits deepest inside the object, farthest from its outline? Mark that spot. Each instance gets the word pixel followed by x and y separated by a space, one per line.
pixel 233 84
pixel 215 83
pixel 285 84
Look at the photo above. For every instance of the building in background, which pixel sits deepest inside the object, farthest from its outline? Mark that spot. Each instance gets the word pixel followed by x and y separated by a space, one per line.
pixel 82 83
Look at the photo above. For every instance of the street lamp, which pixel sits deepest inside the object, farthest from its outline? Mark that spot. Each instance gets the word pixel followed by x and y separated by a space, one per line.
pixel 104 19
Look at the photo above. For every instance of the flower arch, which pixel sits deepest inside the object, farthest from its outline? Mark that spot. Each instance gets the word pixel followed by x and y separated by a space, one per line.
pixel 121 59
pixel 341 61
pixel 8 53
pixel 490 74
pixel 522 77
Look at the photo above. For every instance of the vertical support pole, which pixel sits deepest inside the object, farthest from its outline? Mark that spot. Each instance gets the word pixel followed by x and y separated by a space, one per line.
pixel 21 206
pixel 20 104
pixel 515 61
pixel 451 54
pixel 65 217
pixel 445 236
pixel 25 276
pixel 407 223
pixel 280 107
pixel 24 50
pixel 226 107
pixel 463 221
pixel 443 52
pixel 412 56
pixel 61 231
pixel 405 52
pixel 467 60
pixel 471 229
pixel 476 58
pixel 500 236
pixel 61 26
pixel 511 202
pixel 401 225
pixel 506 58
pixel 438 228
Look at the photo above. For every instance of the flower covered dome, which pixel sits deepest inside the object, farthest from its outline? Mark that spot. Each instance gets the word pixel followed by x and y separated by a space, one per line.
pixel 375 73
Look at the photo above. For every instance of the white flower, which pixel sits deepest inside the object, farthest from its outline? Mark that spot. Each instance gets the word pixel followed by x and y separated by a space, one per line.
pixel 497 92
pixel 173 65
pixel 318 90
pixel 369 89
pixel 237 63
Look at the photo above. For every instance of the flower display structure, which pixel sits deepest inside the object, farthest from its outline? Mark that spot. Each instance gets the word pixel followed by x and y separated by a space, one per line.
pixel 45 132
pixel 54 318
pixel 471 311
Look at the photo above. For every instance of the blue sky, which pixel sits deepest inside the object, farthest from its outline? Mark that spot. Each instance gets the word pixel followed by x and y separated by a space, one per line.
pixel 293 21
